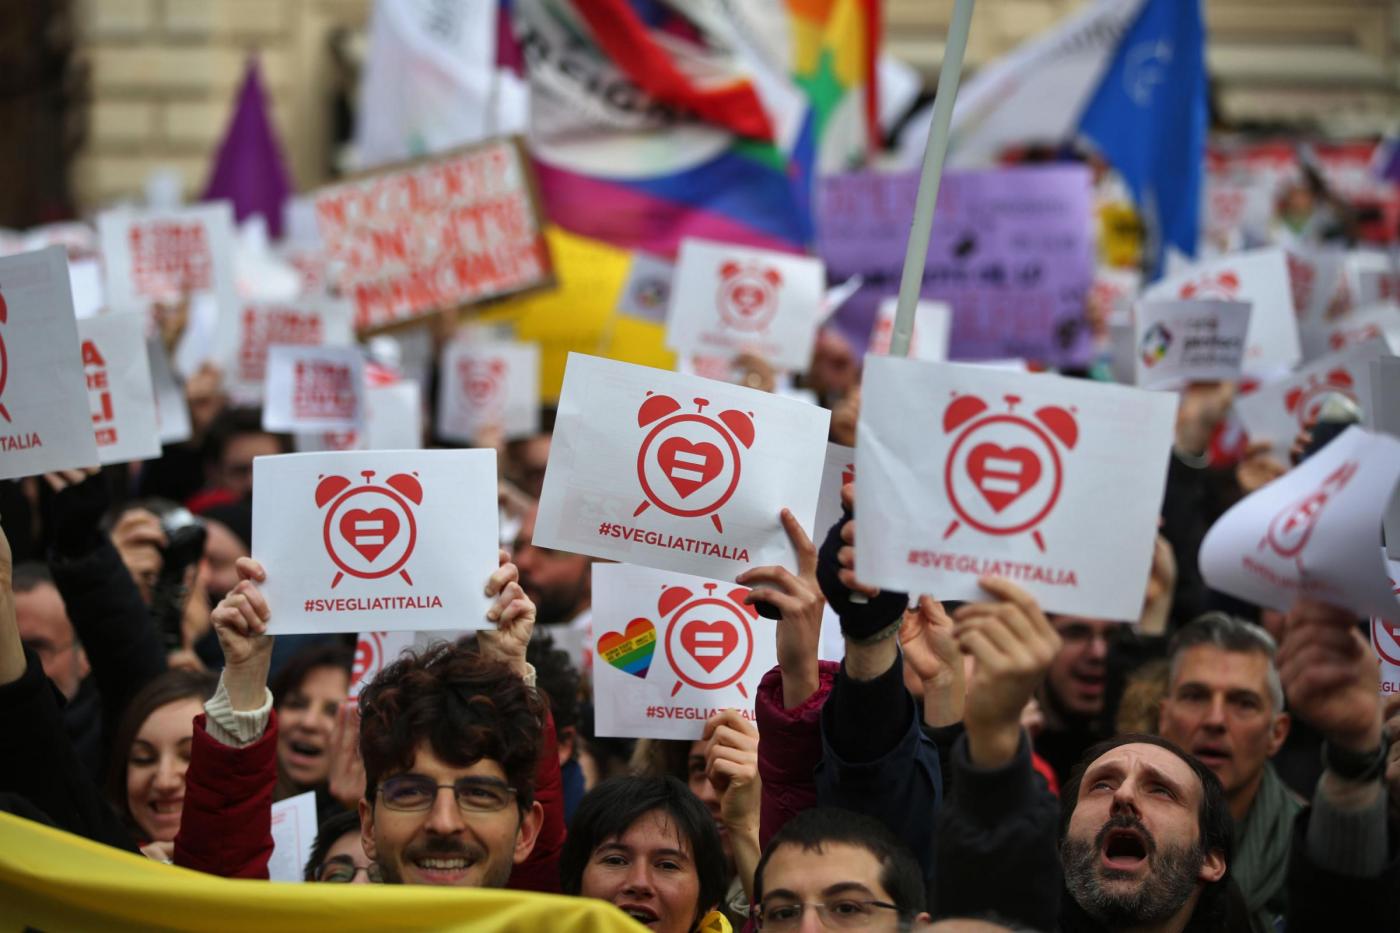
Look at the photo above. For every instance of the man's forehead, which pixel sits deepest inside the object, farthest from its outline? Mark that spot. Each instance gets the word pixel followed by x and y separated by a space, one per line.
pixel 1217 666
pixel 1146 757
pixel 426 761
pixel 794 867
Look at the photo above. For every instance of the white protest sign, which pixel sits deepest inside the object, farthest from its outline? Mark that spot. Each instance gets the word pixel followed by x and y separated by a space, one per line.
pixel 490 385
pixel 1278 410
pixel 672 650
pixel 151 256
pixel 382 540
pixel 1371 277
pixel 1363 324
pixel 693 481
pixel 44 419
pixel 1385 640
pixel 314 389
pixel 1180 342
pixel 647 292
pixel 1313 532
pixel 120 392
pixel 293 835
pixel 1380 407
pixel 933 321
pixel 85 278
pixel 1259 277
pixel 727 300
pixel 172 409
pixel 393 421
pixel 838 469
pixel 243 338
pixel 1053 483
pixel 376 650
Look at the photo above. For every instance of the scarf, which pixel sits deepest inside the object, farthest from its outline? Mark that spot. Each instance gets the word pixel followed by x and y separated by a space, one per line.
pixel 1260 863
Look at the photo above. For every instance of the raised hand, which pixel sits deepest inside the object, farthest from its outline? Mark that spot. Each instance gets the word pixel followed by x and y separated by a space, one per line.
pixel 731 766
pixel 1329 675
pixel 1258 467
pixel 139 539
pixel 932 653
pixel 514 616
pixel 347 768
pixel 240 620
pixel 1013 645
pixel 799 602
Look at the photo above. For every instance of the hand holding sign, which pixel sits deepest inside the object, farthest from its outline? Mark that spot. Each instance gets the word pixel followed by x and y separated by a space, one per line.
pixel 514 615
pixel 798 599
pixel 240 621
pixel 1329 675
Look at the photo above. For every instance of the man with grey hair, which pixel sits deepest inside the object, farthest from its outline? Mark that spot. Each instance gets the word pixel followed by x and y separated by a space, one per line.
pixel 1224 704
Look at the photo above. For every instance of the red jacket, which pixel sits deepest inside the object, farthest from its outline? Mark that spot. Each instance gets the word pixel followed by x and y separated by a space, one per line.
pixel 790 750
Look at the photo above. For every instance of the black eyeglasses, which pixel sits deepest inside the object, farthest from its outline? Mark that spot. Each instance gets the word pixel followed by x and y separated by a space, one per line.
pixel 841 913
pixel 340 870
pixel 474 794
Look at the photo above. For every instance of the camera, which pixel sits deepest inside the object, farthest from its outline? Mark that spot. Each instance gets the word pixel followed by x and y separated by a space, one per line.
pixel 184 535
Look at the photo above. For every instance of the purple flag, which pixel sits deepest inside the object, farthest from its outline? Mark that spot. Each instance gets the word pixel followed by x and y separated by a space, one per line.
pixel 249 170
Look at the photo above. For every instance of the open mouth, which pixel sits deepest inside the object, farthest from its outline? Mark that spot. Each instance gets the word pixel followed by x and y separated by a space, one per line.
pixel 442 870
pixel 166 809
pixel 305 749
pixel 1212 756
pixel 1124 849
pixel 643 915
pixel 1090 683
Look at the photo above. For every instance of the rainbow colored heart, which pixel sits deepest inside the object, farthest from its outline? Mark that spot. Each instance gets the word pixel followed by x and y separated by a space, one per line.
pixel 630 651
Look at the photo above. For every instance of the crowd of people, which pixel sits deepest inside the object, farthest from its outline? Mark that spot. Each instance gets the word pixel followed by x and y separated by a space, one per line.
pixel 985 765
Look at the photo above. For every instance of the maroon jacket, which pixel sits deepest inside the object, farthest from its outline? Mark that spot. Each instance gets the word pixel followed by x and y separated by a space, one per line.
pixel 790 750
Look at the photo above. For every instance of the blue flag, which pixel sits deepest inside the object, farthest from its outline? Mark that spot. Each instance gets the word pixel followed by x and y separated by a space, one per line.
pixel 1148 119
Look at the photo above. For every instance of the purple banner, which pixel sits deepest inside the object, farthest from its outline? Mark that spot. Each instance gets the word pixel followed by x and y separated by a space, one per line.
pixel 1011 252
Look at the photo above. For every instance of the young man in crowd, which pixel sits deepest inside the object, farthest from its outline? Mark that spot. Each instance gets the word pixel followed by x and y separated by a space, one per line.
pixel 1072 696
pixel 1224 705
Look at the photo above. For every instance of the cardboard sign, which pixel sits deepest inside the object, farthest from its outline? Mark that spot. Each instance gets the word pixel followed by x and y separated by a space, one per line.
pixel 677 472
pixel 382 540
pixel 454 230
pixel 172 408
pixel 1180 342
pixel 647 292
pixel 152 256
pixel 44 419
pixel 1380 321
pixel 494 385
pixel 671 650
pixel 120 393
pixel 933 321
pixel 376 650
pixel 1012 254
pixel 1259 277
pixel 244 338
pixel 1053 483
pixel 314 389
pixel 1312 532
pixel 728 300
pixel 1278 410
pixel 293 836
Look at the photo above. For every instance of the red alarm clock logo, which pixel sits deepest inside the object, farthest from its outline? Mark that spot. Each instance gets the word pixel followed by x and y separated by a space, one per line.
pixel 369 531
pixel 1004 474
pixel 4 358
pixel 709 639
pixel 1305 401
pixel 1290 529
pixel 1224 284
pixel 748 294
pixel 689 464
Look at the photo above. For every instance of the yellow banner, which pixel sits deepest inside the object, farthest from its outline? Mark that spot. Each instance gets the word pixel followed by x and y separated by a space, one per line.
pixel 54 881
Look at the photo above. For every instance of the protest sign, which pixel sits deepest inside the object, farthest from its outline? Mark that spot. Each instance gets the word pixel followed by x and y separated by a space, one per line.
pixel 1053 483
pixel 381 540
pixel 728 300
pixel 45 423
pixel 1012 254
pixel 1380 407
pixel 1371 277
pixel 1363 324
pixel 647 292
pixel 393 421
pixel 491 385
pixel 454 230
pixel 929 340
pixel 1313 532
pixel 693 482
pixel 120 393
pixel 1180 342
pixel 376 650
pixel 1278 410
pixel 243 339
pixel 838 469
pixel 85 279
pixel 151 256
pixel 1385 640
pixel 172 409
pixel 1257 276
pixel 314 389
pixel 293 834
pixel 672 650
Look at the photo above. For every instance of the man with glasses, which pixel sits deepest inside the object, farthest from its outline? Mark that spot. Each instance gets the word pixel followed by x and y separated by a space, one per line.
pixel 846 868
pixel 338 856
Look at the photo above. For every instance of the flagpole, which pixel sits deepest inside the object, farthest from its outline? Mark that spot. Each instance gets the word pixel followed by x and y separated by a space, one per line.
pixel 930 175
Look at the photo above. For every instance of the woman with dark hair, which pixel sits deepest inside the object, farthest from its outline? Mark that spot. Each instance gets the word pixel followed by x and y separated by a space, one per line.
pixel 648 846
pixel 307 693
pixel 151 752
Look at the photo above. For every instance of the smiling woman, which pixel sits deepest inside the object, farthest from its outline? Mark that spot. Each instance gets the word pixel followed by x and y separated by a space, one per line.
pixel 307 694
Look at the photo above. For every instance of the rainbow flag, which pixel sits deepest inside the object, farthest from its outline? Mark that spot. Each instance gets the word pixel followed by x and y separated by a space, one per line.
pixel 646 128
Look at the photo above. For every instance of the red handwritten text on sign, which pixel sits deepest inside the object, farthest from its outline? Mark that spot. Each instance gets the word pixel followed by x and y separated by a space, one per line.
pixel 168 255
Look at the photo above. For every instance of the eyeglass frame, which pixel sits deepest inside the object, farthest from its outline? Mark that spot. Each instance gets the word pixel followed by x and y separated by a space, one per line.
pixel 756 912
pixel 471 779
pixel 371 870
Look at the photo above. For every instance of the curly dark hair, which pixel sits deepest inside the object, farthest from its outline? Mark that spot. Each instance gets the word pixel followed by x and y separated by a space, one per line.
pixel 465 706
